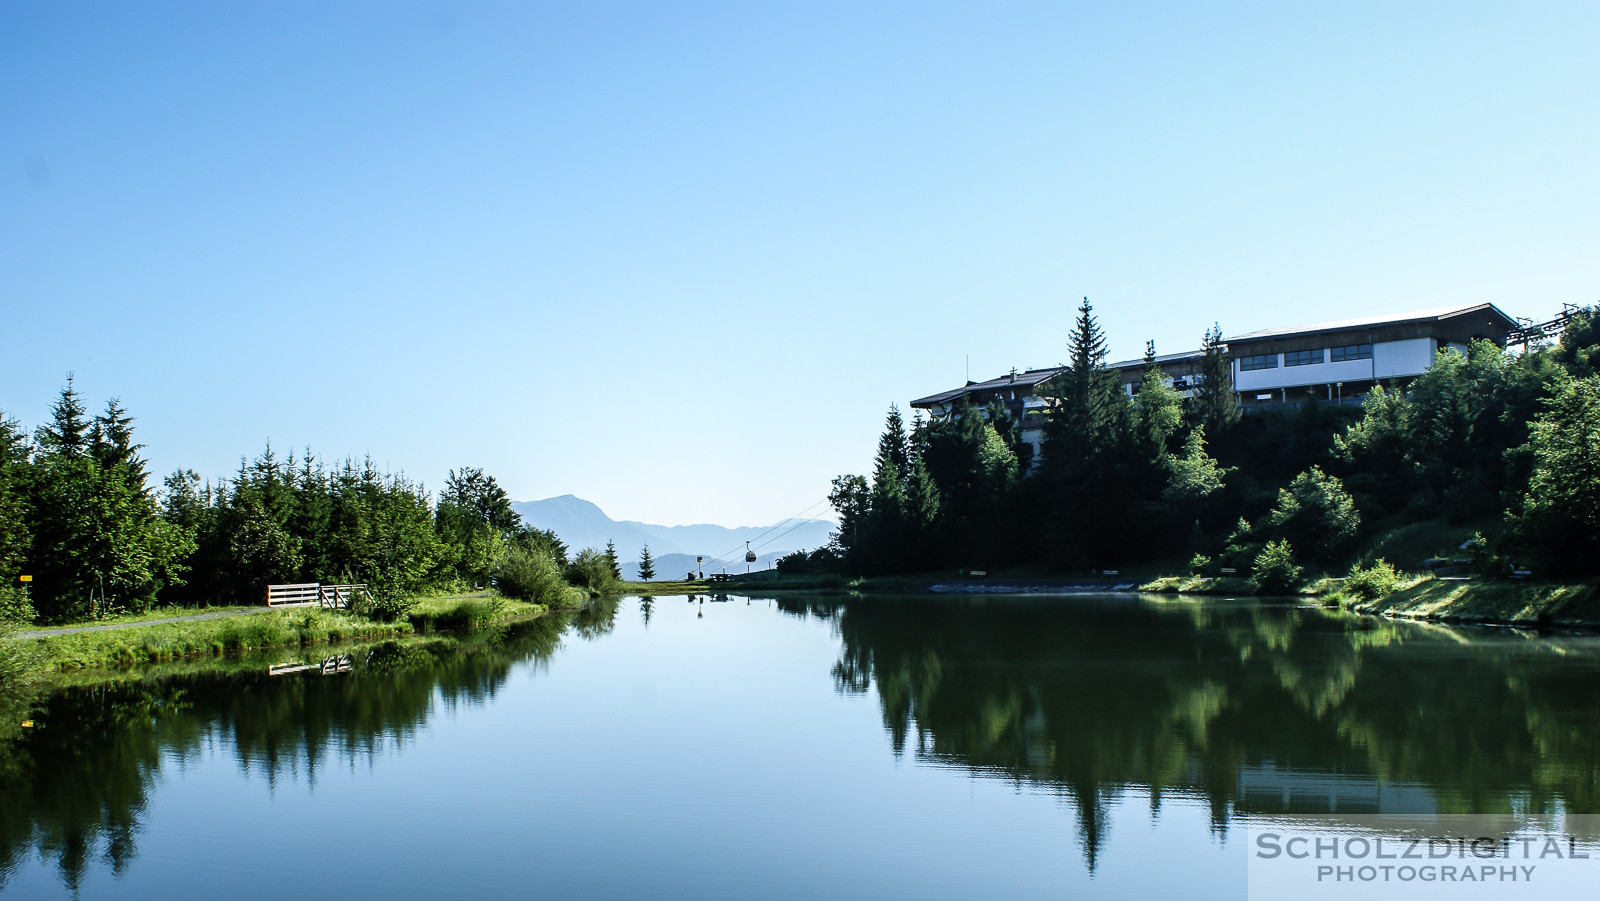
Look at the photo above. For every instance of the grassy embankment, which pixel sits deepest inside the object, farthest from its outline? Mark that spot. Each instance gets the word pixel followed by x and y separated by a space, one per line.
pixel 1511 603
pixel 667 587
pixel 256 631
pixel 1416 596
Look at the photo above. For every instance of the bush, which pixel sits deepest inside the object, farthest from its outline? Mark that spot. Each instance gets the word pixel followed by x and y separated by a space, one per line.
pixel 1378 581
pixel 530 574
pixel 1199 564
pixel 591 569
pixel 384 606
pixel 17 658
pixel 1315 513
pixel 1275 571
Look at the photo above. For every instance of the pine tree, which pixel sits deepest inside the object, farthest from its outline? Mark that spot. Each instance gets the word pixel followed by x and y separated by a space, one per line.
pixel 1215 405
pixel 611 560
pixel 1157 407
pixel 111 442
pixel 647 564
pixel 67 434
pixel 13 510
pixel 1087 450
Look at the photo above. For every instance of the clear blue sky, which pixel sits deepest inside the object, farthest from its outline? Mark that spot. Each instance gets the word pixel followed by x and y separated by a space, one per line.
pixel 679 258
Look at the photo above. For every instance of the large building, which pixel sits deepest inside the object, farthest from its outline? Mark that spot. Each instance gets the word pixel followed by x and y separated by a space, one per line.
pixel 1334 361
pixel 1340 360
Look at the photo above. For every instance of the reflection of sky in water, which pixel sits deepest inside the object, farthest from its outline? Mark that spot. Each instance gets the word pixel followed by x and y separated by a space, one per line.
pixel 717 755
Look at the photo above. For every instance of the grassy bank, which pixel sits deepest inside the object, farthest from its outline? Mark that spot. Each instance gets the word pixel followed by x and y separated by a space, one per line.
pixel 172 641
pixel 678 587
pixel 1228 585
pixel 259 630
pixel 1511 603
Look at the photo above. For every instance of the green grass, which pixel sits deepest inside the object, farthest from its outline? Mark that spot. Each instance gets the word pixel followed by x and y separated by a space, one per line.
pixel 1228 585
pixel 1407 545
pixel 466 612
pixel 265 629
pixel 671 587
pixel 1514 603
pixel 162 612
pixel 172 641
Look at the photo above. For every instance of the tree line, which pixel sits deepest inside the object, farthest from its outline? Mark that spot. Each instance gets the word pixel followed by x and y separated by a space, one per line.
pixel 78 514
pixel 1509 442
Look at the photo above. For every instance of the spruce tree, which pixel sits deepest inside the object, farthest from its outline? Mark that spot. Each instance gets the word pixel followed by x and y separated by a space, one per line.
pixel 611 560
pixel 111 442
pixel 67 433
pixel 1088 444
pixel 647 564
pixel 1216 405
pixel 1157 407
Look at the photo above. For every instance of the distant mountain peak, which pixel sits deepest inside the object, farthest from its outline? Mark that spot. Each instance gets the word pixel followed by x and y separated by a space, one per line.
pixel 582 524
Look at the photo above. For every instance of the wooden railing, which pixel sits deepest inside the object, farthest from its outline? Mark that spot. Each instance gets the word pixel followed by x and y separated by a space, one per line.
pixel 293 595
pixel 305 594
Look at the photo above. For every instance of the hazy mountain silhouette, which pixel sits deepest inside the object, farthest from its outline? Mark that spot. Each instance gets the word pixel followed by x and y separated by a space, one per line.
pixel 581 524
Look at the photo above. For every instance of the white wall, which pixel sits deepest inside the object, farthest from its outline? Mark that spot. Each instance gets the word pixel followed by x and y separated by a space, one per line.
pixel 1397 358
pixel 1297 376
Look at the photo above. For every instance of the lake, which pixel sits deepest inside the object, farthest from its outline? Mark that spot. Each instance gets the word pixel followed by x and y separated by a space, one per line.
pixel 804 747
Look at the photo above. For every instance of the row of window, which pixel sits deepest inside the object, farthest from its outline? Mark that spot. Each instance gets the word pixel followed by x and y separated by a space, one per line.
pixel 1307 357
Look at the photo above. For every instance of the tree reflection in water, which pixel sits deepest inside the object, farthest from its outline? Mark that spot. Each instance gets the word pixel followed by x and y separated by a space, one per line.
pixel 1254 709
pixel 75 784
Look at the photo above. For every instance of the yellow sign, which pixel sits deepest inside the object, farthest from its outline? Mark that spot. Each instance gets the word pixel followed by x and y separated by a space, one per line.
pixel 24 578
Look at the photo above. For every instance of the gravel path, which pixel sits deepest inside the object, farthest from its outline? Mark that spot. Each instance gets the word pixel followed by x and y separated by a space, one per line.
pixel 73 630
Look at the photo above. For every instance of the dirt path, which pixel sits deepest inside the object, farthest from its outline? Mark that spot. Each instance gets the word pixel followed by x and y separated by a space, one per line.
pixel 73 630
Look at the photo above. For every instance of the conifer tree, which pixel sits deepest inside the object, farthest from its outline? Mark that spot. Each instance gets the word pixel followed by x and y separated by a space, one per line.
pixel 67 433
pixel 1158 408
pixel 1216 405
pixel 611 560
pixel 1088 444
pixel 647 564
pixel 111 442
pixel 13 509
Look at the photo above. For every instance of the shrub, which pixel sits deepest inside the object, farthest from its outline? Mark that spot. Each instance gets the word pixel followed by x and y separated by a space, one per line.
pixel 1199 564
pixel 530 574
pixel 1275 571
pixel 384 606
pixel 591 569
pixel 1315 513
pixel 1377 581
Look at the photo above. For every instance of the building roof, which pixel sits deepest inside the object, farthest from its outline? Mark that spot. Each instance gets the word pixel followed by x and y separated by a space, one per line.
pixel 1028 379
pixel 1370 321
pixel 1138 363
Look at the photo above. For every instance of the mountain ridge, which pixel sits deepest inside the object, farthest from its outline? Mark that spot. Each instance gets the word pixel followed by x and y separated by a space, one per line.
pixel 582 524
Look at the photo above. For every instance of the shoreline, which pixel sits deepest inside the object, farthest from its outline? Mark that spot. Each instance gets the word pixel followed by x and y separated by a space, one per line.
pixel 1525 605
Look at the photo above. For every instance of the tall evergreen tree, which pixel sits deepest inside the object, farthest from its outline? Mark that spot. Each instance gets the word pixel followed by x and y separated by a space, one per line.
pixel 611 560
pixel 14 460
pixel 1215 407
pixel 67 433
pixel 1158 408
pixel 647 565
pixel 1088 451
pixel 111 442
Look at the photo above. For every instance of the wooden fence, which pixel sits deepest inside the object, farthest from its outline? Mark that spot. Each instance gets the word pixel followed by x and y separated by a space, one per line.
pixel 305 594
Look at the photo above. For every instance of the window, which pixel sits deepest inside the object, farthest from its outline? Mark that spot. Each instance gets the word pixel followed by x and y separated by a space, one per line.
pixel 1350 352
pixel 1303 357
pixel 1259 361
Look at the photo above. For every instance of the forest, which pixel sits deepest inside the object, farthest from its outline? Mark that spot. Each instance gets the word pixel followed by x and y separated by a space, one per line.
pixel 79 515
pixel 1498 446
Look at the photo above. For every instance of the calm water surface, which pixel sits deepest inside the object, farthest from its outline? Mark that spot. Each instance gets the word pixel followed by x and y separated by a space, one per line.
pixel 887 747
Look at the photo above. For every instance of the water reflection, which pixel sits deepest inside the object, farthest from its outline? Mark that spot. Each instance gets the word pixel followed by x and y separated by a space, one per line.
pixel 73 786
pixel 1255 709
pixel 1243 709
